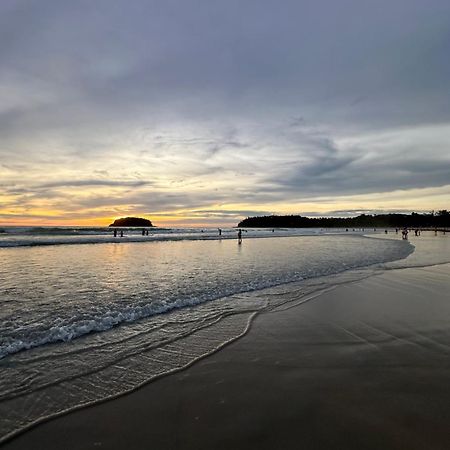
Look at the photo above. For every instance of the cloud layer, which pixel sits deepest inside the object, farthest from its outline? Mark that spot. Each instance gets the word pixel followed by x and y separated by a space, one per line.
pixel 207 111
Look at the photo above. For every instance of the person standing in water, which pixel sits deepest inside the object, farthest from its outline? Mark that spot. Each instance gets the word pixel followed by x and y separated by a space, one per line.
pixel 220 231
pixel 239 236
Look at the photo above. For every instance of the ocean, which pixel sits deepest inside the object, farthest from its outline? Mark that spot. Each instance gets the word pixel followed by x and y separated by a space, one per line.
pixel 86 316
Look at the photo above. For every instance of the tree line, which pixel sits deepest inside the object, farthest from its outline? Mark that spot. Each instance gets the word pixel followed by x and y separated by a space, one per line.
pixel 439 219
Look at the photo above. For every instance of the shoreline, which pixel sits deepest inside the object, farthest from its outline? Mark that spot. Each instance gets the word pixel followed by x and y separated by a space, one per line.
pixel 319 285
pixel 85 434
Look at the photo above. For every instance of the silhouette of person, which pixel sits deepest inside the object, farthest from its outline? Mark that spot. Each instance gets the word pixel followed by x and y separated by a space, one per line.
pixel 121 233
pixel 220 231
pixel 239 236
pixel 115 233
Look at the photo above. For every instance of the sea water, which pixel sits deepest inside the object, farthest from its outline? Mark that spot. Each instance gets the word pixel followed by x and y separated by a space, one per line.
pixel 83 323
pixel 37 236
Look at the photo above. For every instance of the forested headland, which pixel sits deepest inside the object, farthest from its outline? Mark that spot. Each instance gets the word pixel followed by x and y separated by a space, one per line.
pixel 439 219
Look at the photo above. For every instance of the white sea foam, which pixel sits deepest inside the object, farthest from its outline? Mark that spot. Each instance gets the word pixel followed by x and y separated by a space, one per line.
pixel 105 365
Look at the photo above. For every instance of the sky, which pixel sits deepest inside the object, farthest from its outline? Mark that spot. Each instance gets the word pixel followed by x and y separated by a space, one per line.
pixel 205 112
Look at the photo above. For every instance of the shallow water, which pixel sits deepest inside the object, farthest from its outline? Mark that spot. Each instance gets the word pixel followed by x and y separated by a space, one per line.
pixel 120 315
pixel 37 236
pixel 57 293
pixel 430 248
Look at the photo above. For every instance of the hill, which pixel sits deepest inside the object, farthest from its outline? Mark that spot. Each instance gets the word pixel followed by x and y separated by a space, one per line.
pixel 131 222
pixel 431 220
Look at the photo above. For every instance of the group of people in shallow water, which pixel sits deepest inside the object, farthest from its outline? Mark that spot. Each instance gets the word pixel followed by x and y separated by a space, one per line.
pixel 239 234
pixel 405 232
pixel 145 233
pixel 120 233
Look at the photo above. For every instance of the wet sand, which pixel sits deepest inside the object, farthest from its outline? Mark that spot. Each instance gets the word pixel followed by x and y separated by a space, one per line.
pixel 365 366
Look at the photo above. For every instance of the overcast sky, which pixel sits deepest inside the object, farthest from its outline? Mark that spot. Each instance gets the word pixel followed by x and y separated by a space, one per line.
pixel 204 112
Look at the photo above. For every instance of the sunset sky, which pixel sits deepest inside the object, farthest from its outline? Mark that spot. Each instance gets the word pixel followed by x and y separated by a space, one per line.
pixel 204 112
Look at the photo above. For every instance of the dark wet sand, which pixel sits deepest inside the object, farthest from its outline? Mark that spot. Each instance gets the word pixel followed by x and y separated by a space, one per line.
pixel 366 366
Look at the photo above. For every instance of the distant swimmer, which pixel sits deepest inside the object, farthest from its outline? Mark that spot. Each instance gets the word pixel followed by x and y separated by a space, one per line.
pixel 143 232
pixel 115 233
pixel 220 231
pixel 240 237
pixel 273 230
pixel 121 233
pixel 385 231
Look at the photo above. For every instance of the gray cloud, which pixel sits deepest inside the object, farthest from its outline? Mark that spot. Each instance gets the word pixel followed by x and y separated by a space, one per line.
pixel 145 57
pixel 92 182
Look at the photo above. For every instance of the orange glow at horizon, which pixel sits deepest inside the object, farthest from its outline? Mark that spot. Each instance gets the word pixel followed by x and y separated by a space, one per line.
pixel 228 215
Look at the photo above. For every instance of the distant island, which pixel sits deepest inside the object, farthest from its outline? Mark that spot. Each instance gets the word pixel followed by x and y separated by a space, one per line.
pixel 131 222
pixel 431 220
